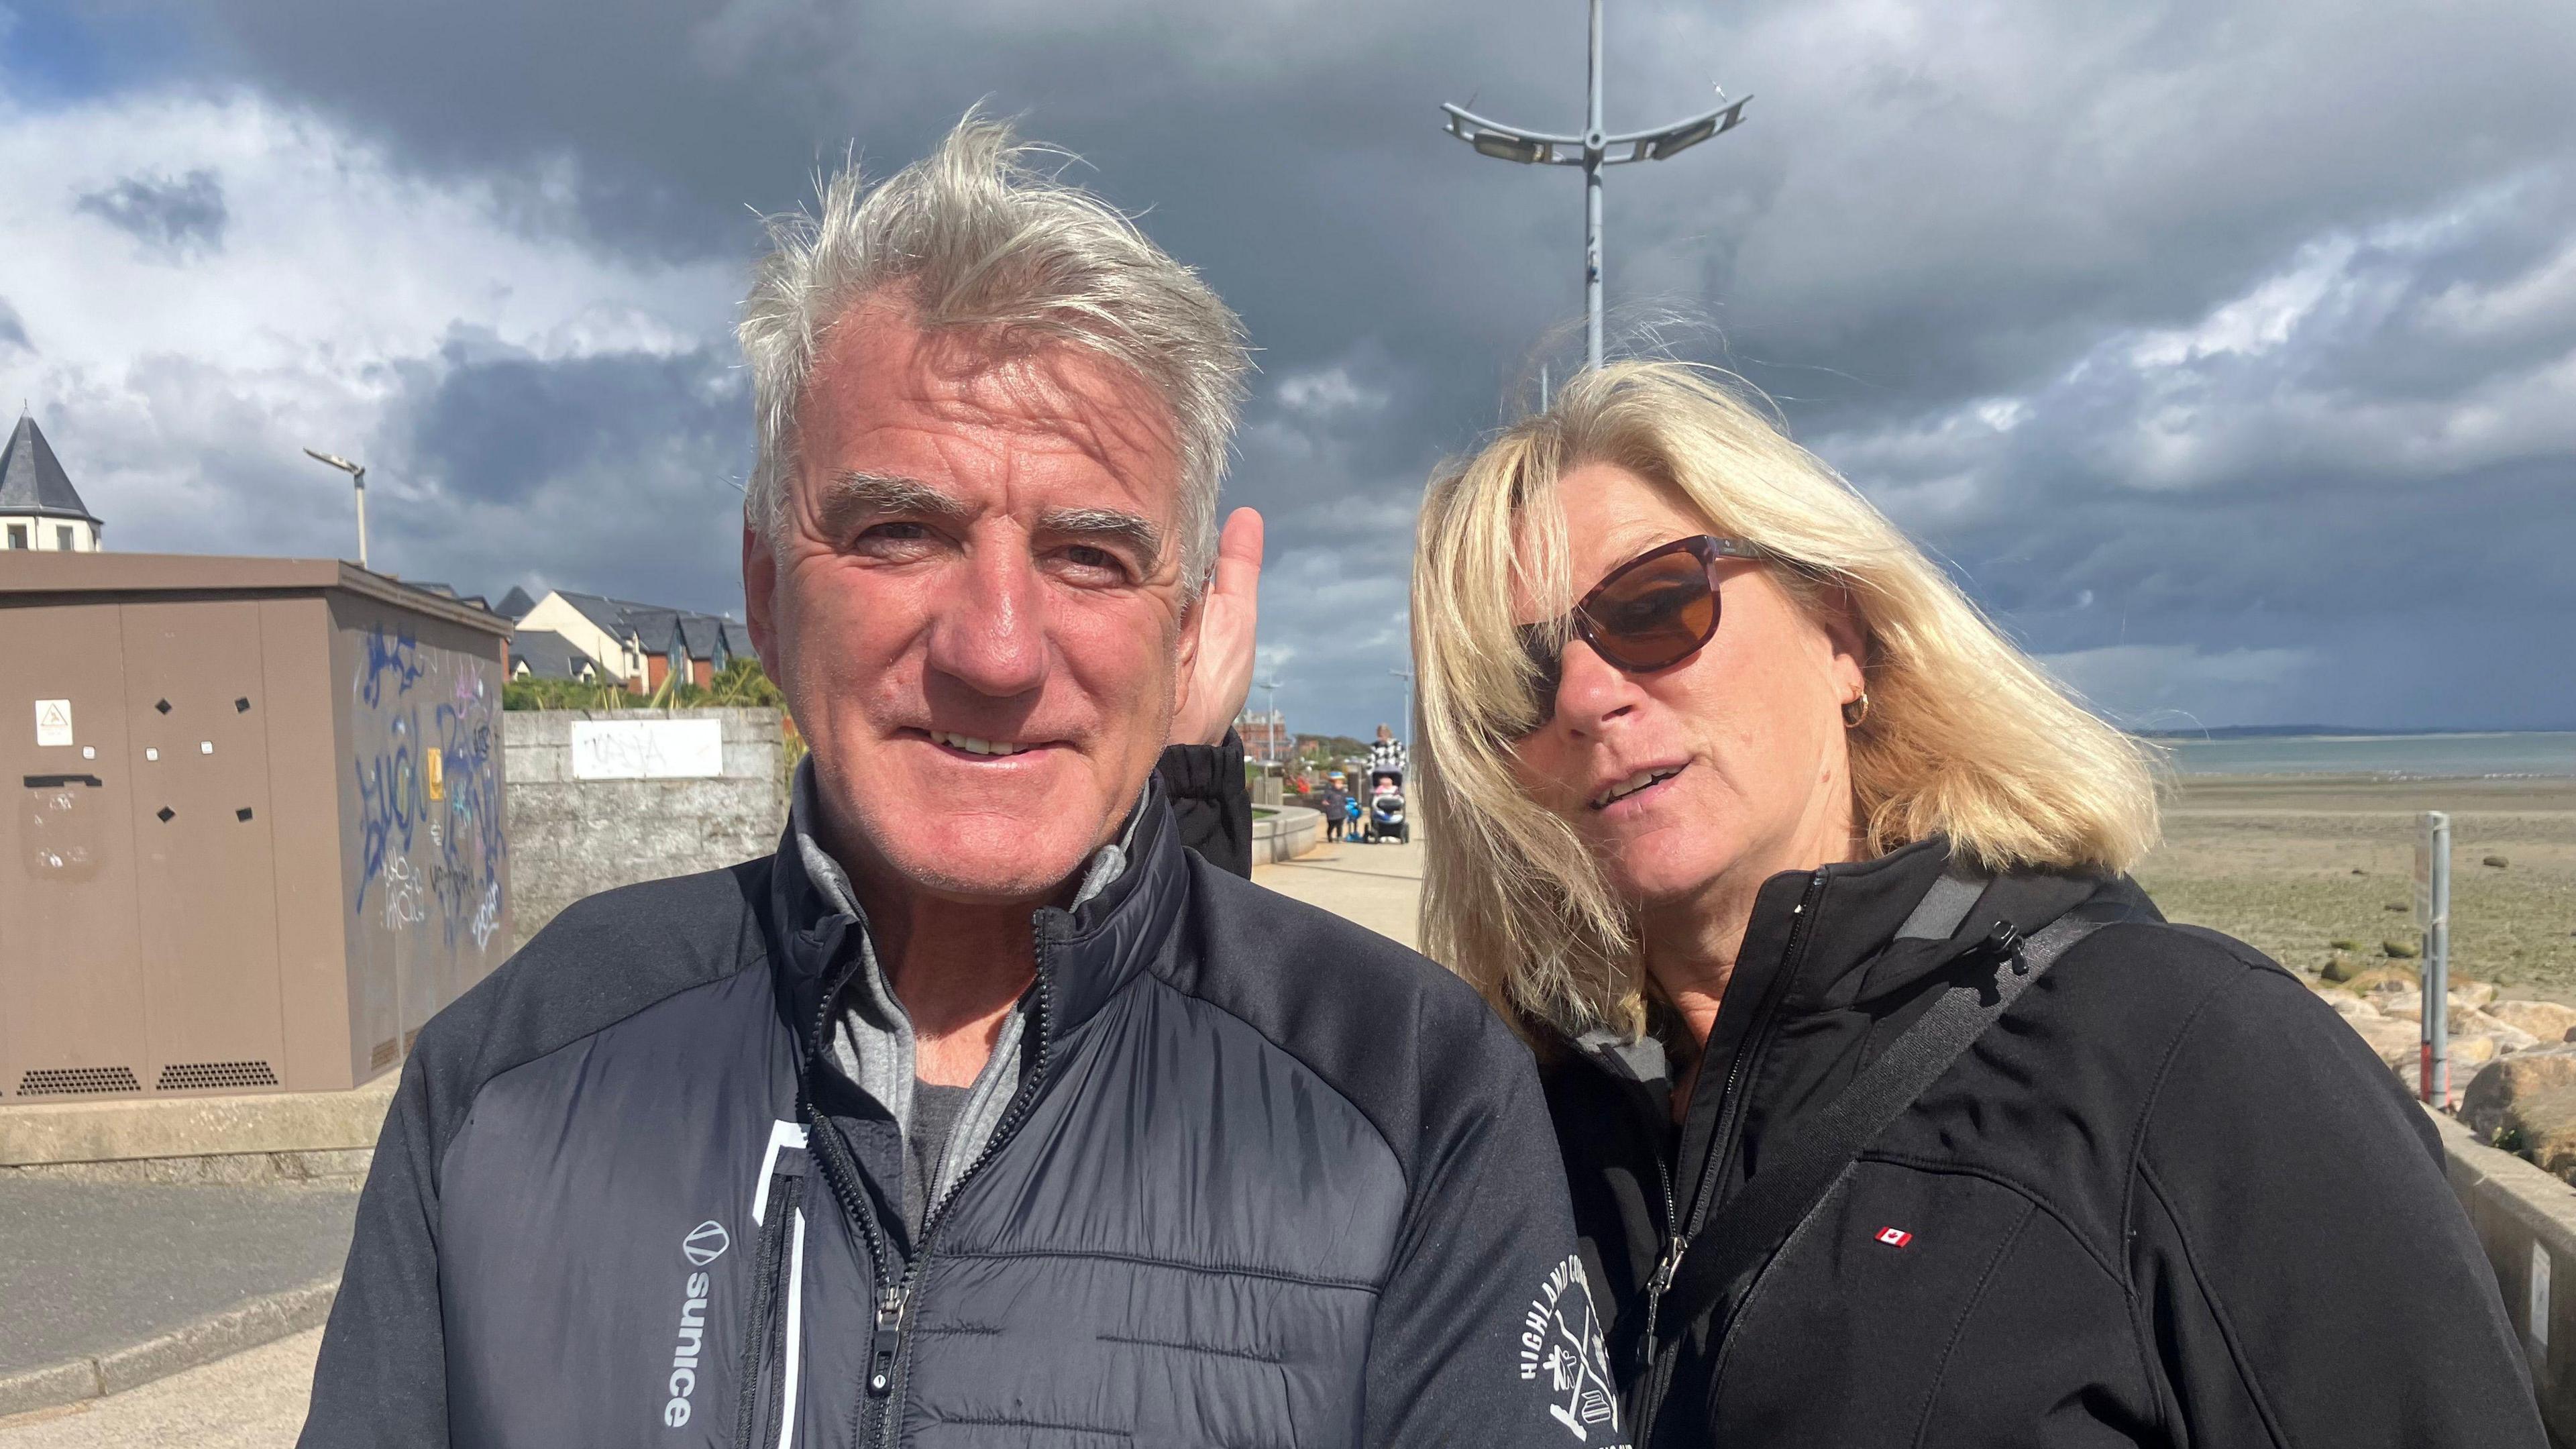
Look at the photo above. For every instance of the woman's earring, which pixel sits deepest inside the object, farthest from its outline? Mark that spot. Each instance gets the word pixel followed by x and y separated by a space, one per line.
pixel 1855 710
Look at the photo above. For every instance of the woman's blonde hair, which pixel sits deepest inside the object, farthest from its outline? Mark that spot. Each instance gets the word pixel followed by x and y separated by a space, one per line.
pixel 1964 737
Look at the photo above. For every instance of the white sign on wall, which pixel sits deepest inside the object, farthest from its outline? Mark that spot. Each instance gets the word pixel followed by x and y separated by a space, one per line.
pixel 53 722
pixel 647 749
pixel 2539 1299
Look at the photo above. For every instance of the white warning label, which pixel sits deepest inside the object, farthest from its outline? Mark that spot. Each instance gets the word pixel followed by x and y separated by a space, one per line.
pixel 53 722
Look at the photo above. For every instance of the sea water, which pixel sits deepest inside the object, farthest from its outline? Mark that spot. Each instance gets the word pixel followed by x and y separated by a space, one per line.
pixel 2450 756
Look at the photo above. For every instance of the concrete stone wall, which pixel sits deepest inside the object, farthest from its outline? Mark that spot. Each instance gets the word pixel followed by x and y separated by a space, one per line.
pixel 1290 833
pixel 573 838
pixel 2526 1221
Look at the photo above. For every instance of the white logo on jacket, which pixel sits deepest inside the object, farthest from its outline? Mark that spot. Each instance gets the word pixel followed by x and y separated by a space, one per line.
pixel 1561 1340
pixel 705 1243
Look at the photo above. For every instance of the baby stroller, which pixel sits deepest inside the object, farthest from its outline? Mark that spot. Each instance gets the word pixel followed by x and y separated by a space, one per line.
pixel 1386 807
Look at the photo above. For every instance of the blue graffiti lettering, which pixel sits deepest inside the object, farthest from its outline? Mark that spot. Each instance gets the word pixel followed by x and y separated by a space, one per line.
pixel 397 659
pixel 388 808
pixel 403 796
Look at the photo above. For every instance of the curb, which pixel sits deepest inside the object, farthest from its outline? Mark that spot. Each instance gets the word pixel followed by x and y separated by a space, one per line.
pixel 261 1320
pixel 47 1133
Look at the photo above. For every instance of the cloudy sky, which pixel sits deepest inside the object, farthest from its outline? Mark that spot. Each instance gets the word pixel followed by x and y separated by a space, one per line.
pixel 2227 352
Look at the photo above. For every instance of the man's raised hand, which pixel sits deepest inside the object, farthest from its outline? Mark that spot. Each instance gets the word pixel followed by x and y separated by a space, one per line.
pixel 1214 693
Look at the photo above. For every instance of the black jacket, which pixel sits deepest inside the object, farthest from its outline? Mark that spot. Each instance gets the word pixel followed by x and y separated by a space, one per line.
pixel 1268 1180
pixel 2168 1199
pixel 1210 800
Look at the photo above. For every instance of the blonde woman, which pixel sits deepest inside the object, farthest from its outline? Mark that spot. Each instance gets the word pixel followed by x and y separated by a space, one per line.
pixel 1893 1111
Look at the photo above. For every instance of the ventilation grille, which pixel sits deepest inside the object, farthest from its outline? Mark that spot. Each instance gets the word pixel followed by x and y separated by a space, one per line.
pixel 198 1076
pixel 383 1056
pixel 77 1081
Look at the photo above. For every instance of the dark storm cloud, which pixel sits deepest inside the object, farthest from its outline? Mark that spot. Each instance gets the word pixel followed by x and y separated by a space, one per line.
pixel 170 216
pixel 1985 259
pixel 498 423
pixel 616 472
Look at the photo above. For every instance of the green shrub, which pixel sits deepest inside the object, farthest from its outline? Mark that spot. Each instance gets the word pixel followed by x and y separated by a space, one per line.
pixel 741 684
pixel 564 694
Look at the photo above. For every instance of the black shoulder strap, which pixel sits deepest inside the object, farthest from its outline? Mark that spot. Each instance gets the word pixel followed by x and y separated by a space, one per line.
pixel 1800 1172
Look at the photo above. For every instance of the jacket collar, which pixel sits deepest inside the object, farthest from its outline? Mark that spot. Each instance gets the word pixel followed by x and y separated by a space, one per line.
pixel 1823 941
pixel 1894 964
pixel 1084 954
pixel 1121 926
pixel 1846 954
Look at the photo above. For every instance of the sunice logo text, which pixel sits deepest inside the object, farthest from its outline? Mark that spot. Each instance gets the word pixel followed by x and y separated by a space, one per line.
pixel 705 1243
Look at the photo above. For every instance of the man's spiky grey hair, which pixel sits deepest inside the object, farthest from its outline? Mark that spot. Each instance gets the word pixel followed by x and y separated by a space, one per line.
pixel 975 238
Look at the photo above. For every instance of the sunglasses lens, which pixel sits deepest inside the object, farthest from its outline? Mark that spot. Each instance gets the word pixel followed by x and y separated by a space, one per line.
pixel 1652 614
pixel 1655 613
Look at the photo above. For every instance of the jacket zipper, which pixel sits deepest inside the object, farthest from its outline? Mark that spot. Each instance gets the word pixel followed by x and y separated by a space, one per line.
pixel 830 1153
pixel 1665 1266
pixel 887 1361
pixel 764 1347
pixel 1662 1362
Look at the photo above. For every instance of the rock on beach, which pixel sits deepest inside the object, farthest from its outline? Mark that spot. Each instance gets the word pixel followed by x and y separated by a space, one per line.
pixel 2546 1020
pixel 2508 1046
pixel 2526 1103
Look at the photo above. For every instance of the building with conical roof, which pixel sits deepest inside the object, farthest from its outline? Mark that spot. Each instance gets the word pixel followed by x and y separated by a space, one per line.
pixel 38 506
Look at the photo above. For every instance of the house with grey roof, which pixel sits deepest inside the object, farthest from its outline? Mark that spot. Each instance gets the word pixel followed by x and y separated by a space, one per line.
pixel 39 508
pixel 545 654
pixel 637 645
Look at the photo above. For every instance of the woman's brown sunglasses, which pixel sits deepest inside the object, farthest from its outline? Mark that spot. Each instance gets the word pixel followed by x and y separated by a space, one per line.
pixel 1650 613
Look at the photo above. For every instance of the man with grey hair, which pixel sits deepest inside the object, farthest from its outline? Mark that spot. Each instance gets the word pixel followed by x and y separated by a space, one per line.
pixel 983 1111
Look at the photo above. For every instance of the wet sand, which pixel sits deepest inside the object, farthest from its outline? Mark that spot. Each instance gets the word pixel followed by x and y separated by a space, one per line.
pixel 2295 863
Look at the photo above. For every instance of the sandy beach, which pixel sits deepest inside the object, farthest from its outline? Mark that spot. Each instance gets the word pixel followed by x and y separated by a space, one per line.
pixel 2295 863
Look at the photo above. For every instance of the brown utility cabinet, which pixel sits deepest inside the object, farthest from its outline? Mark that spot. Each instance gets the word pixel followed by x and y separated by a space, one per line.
pixel 256 834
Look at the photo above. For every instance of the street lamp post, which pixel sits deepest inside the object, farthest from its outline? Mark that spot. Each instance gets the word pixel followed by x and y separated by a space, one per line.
pixel 1407 676
pixel 1274 736
pixel 358 473
pixel 1592 150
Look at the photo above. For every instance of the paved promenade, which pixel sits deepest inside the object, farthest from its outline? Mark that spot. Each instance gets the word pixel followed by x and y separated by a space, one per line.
pixel 92 1268
pixel 1374 885
pixel 255 1400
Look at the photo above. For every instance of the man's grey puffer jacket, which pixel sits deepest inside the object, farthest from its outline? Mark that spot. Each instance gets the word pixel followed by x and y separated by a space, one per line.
pixel 1269 1181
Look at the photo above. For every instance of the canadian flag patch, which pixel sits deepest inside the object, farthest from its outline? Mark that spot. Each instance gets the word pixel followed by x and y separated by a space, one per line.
pixel 1895 1237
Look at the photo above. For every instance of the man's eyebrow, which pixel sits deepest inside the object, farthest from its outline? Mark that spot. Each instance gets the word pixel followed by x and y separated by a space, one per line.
pixel 1108 524
pixel 853 495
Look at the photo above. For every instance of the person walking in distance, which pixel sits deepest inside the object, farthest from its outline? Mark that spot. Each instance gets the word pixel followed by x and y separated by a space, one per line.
pixel 1386 752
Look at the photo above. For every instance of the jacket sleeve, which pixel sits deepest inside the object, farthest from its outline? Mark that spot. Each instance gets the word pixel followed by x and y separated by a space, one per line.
pixel 2303 1274
pixel 1485 1333
pixel 1208 794
pixel 382 1377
